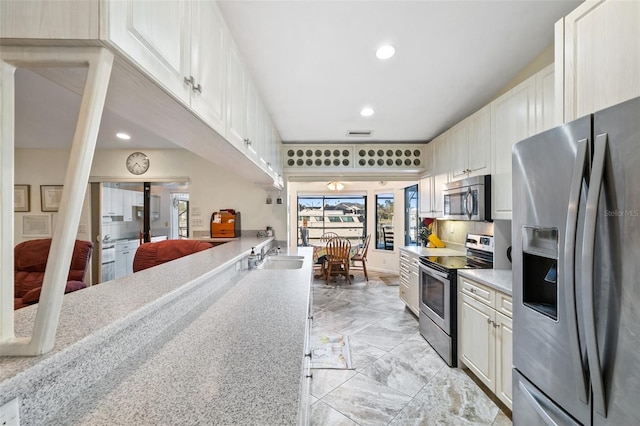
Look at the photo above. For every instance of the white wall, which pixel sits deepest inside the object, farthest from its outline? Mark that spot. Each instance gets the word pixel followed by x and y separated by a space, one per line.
pixel 210 188
pixel 378 260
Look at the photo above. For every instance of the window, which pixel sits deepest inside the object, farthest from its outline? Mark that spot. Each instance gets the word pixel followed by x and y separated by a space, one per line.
pixel 411 219
pixel 384 221
pixel 346 216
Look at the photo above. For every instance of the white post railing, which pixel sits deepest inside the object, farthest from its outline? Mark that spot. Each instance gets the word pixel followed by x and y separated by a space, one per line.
pixel 99 62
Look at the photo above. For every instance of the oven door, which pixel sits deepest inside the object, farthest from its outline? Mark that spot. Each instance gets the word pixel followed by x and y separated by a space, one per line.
pixel 435 297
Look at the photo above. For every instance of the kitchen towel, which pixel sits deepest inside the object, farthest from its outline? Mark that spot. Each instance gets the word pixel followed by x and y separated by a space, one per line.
pixel 331 351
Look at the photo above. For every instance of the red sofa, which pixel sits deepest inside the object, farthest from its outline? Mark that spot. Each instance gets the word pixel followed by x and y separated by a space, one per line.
pixel 152 254
pixel 30 260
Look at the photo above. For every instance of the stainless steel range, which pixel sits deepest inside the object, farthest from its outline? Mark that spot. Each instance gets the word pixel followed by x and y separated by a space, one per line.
pixel 438 293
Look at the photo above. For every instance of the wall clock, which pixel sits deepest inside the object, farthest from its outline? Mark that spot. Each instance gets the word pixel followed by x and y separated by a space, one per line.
pixel 137 163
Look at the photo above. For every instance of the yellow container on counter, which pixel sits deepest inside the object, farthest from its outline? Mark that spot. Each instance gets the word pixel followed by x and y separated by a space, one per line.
pixel 435 241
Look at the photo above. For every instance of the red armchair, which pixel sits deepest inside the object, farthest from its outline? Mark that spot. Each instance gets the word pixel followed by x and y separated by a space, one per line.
pixel 30 260
pixel 152 254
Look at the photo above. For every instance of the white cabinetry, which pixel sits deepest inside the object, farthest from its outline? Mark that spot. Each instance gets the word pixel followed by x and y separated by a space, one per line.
pixel 513 118
pixel 487 336
pixel 598 56
pixel 430 186
pixel 409 280
pixel 155 35
pixel 182 45
pixel 127 205
pixel 236 99
pixel 112 201
pixel 125 252
pixel 470 142
pixel 545 100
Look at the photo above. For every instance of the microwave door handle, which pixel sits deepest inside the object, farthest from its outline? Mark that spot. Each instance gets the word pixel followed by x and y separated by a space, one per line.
pixel 588 249
pixel 468 203
pixel 579 166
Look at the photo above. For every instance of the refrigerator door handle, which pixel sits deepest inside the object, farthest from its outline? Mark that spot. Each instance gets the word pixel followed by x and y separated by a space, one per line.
pixel 579 167
pixel 588 249
pixel 536 400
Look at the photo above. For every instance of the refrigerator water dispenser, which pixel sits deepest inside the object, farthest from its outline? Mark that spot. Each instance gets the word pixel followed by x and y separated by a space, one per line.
pixel 539 272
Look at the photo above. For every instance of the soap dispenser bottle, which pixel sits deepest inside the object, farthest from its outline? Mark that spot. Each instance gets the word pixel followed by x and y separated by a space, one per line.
pixel 253 259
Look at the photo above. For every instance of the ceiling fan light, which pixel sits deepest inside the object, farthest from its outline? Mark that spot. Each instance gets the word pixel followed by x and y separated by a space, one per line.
pixel 335 186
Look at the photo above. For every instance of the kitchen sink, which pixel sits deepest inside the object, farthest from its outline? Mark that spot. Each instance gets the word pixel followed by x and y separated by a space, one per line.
pixel 282 262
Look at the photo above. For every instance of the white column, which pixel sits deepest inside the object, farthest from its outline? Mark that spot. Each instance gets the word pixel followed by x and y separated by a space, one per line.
pixel 6 194
pixel 99 63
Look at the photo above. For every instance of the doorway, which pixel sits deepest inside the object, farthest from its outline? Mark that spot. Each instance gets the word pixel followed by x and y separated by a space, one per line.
pixel 411 218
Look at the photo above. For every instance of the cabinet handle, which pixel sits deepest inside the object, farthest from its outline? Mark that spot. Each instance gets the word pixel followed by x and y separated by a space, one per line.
pixel 197 88
pixel 247 142
pixel 188 81
pixel 472 290
pixel 496 325
pixel 489 321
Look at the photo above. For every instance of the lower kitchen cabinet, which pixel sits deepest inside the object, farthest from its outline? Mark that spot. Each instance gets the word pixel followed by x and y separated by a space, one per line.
pixel 125 252
pixel 487 336
pixel 409 280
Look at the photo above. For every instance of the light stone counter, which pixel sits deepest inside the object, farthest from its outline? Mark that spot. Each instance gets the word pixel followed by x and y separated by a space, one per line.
pixel 427 251
pixel 498 279
pixel 199 340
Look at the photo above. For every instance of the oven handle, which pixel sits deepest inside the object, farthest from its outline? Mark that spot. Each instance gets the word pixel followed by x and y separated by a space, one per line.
pixel 433 272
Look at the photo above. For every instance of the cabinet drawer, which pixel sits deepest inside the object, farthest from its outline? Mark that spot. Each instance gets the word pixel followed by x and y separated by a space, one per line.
pixel 504 304
pixel 478 291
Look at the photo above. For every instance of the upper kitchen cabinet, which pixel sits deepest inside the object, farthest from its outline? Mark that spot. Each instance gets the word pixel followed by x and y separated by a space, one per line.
pixel 546 117
pixel 182 45
pixel 155 35
pixel 236 99
pixel 513 118
pixel 470 142
pixel 431 185
pixel 597 56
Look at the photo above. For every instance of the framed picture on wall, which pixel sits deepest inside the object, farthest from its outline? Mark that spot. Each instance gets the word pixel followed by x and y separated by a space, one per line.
pixel 22 198
pixel 50 196
pixel 36 225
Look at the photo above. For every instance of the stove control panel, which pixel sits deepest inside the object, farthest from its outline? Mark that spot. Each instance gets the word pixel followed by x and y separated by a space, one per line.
pixel 480 242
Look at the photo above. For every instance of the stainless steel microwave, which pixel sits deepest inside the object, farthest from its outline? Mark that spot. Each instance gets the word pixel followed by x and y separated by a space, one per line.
pixel 468 199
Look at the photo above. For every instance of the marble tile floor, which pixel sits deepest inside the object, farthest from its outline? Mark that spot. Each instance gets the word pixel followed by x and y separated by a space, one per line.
pixel 398 379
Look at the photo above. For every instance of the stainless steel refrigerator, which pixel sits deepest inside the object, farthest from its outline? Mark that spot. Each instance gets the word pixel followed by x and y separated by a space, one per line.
pixel 576 272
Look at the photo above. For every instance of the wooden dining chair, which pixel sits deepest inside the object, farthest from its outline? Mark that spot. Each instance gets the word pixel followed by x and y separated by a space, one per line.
pixel 337 262
pixel 328 235
pixel 361 256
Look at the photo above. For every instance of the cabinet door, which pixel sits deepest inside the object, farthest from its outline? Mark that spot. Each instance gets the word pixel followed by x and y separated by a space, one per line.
pixel 512 119
pixel 601 56
pixel 236 99
pixel 479 142
pixel 545 99
pixel 127 205
pixel 255 147
pixel 414 285
pixel 121 264
pixel 425 186
pixel 155 207
pixel 478 340
pixel 155 35
pixel 208 63
pixel 504 358
pixel 459 151
pixel 441 158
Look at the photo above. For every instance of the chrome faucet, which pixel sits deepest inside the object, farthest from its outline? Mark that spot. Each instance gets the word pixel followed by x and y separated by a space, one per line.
pixel 270 252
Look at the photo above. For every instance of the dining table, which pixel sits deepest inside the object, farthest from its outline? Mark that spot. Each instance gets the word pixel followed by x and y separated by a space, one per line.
pixel 320 250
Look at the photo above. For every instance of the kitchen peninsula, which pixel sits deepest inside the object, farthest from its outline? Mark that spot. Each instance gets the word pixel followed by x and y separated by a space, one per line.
pixel 199 340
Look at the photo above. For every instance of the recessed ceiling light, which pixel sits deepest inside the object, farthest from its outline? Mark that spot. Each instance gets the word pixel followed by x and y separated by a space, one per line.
pixel 123 136
pixel 366 112
pixel 385 52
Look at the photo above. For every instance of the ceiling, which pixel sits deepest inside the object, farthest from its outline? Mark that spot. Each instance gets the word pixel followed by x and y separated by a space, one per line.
pixel 313 61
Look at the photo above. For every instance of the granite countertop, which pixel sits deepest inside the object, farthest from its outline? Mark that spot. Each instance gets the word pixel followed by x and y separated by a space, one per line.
pixel 498 279
pixel 233 356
